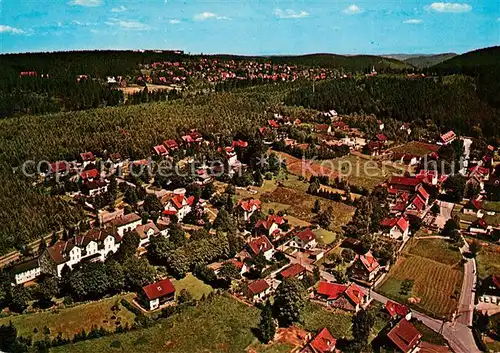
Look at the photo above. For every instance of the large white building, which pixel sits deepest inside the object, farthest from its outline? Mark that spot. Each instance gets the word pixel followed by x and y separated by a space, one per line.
pixel 96 245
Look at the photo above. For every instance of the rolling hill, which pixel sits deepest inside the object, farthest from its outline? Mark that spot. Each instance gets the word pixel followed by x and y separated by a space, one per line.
pixel 423 61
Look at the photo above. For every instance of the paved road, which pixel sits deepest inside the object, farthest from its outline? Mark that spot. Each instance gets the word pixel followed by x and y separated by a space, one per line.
pixel 466 302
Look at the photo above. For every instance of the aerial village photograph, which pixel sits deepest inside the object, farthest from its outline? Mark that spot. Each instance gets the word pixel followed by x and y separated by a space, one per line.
pixel 250 176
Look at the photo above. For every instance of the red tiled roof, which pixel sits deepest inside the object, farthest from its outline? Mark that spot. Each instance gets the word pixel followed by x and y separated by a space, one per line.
pixel 89 174
pixel 160 150
pixel 450 135
pixel 370 263
pixel 321 127
pixel 258 286
pixel 388 222
pixel 404 335
pixel 396 309
pixel 87 156
pixel 396 180
pixel 239 264
pixel 239 143
pixel 187 139
pixel 273 123
pixel 324 342
pixel 419 203
pixel 60 166
pixel 331 290
pixel 260 244
pixel 171 144
pixel 496 280
pixel 477 204
pixel 355 293
pixel 248 205
pixel 403 224
pixel 306 235
pixel 381 137
pixel 423 193
pixel 292 271
pixel 159 289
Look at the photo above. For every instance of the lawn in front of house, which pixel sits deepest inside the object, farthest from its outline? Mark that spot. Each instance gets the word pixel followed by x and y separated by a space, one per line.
pixel 488 260
pixel 194 286
pixel 491 206
pixel 70 321
pixel 221 324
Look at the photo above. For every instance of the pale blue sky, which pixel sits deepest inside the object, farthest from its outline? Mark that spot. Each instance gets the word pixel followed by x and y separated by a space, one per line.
pixel 251 26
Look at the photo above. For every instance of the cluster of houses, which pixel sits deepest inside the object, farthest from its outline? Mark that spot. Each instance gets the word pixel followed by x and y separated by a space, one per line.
pixel 216 70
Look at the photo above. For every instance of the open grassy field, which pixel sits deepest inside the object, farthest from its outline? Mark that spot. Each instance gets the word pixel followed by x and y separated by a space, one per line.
pixel 220 325
pixel 434 249
pixel 301 205
pixel 491 206
pixel 71 320
pixel 193 285
pixel 416 148
pixel 488 260
pixel 437 285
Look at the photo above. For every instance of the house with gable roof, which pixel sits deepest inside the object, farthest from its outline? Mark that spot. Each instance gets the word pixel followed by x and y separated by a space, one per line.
pixel 343 296
pixel 490 290
pixel 160 150
pixel 146 232
pixel 157 294
pixel 323 342
pixel 404 337
pixel 171 145
pixel 96 245
pixel 25 271
pixel 397 311
pixel 474 207
pixel 178 204
pixel 269 226
pixel 125 223
pixel 87 158
pixel 396 228
pixel 304 240
pixel 364 267
pixel 246 208
pixel 447 138
pixel 261 245
pixel 293 271
pixel 258 290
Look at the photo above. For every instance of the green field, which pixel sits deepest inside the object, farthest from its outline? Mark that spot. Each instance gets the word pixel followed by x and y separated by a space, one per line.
pixel 491 206
pixel 315 317
pixel 437 274
pixel 220 325
pixel 488 261
pixel 434 249
pixel 193 285
pixel 71 320
pixel 429 335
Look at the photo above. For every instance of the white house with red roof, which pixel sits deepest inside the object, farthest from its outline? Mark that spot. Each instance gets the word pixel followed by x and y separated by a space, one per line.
pixel 323 342
pixel 258 290
pixel 157 294
pixel 89 175
pixel 261 245
pixel 178 204
pixel 380 125
pixel 87 158
pixel 269 226
pixel 424 195
pixel 447 138
pixel 343 296
pixel 246 208
pixel 404 337
pixel 59 168
pixel 396 228
pixel 146 232
pixel 293 271
pixel 304 240
pixel 364 267
pixel 490 290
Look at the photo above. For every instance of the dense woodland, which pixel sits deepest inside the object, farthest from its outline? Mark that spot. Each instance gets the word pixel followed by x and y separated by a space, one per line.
pixel 131 130
pixel 451 102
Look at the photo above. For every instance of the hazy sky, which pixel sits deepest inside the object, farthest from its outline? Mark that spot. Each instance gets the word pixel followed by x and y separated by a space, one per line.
pixel 250 26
